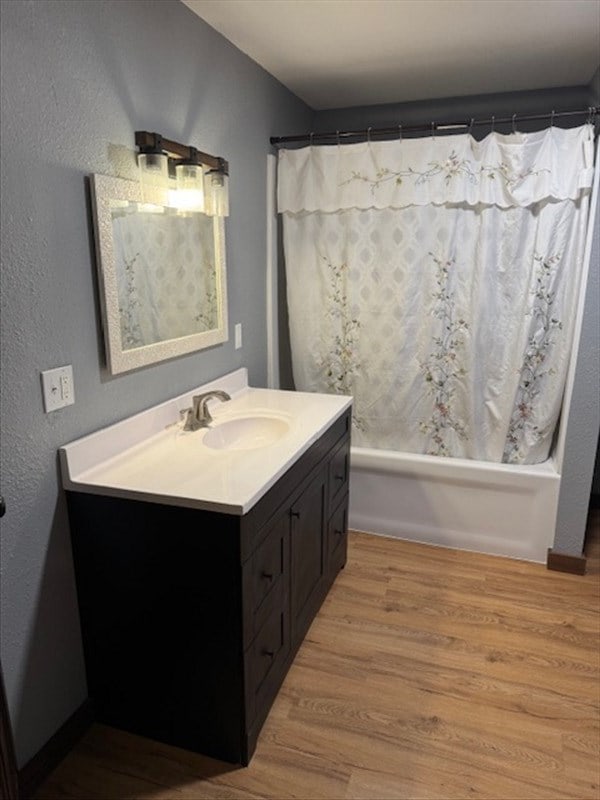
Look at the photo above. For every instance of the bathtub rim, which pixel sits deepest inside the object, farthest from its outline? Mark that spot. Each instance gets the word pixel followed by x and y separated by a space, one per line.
pixel 399 461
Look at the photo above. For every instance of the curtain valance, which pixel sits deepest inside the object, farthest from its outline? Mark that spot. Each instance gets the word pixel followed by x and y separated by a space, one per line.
pixel 513 170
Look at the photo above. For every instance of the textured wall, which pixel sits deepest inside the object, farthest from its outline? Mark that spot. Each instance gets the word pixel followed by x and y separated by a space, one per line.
pixel 78 78
pixel 584 420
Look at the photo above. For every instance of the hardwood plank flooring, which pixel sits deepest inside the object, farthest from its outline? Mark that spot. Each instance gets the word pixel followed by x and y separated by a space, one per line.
pixel 429 673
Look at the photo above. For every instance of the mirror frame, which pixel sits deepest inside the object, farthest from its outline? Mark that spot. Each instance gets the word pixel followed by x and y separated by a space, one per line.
pixel 104 190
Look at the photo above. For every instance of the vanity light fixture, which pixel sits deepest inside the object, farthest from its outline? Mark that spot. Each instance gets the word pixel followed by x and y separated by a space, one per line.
pixel 217 193
pixel 201 180
pixel 154 171
pixel 189 176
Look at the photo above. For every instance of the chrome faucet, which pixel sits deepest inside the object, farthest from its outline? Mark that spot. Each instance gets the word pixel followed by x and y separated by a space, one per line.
pixel 199 416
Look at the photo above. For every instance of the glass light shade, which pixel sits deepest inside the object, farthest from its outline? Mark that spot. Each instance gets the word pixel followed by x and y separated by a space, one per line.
pixel 217 194
pixel 189 195
pixel 154 176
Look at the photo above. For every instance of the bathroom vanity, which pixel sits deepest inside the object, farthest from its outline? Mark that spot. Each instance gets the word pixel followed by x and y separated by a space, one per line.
pixel 200 567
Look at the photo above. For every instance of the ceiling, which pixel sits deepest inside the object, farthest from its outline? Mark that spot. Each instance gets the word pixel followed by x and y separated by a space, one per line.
pixel 337 53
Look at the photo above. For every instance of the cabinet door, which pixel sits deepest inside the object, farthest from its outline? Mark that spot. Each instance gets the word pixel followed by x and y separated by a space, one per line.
pixel 307 517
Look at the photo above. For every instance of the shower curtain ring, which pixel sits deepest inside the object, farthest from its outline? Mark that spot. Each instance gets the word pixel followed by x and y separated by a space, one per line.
pixel 399 133
pixel 514 123
pixel 590 114
pixel 369 134
pixel 433 130
pixel 312 136
pixel 493 122
pixel 471 126
pixel 337 136
pixel 552 119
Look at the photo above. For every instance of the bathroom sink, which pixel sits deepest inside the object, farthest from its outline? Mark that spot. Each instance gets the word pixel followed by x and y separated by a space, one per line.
pixel 246 433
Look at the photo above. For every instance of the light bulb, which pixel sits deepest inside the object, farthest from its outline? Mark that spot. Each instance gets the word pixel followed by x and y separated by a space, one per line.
pixel 218 192
pixel 154 176
pixel 189 195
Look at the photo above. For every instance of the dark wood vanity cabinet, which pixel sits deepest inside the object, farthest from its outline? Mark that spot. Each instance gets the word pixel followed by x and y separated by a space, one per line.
pixel 191 618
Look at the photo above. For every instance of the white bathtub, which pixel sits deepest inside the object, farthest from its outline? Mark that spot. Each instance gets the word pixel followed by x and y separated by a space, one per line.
pixel 472 505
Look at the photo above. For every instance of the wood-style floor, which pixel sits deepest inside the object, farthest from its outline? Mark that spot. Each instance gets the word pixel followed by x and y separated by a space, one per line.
pixel 429 673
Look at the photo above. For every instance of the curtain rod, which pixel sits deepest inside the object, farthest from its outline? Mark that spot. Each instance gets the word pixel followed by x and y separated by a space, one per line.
pixel 433 127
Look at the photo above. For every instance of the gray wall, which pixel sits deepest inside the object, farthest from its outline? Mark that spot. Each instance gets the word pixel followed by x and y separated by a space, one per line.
pixel 78 78
pixel 583 422
pixel 459 109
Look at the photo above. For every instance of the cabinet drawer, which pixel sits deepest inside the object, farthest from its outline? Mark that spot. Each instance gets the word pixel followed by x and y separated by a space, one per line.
pixel 337 538
pixel 339 473
pixel 265 578
pixel 265 660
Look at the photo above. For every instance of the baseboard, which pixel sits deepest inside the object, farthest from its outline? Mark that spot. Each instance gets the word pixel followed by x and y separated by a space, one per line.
pixel 33 774
pixel 561 562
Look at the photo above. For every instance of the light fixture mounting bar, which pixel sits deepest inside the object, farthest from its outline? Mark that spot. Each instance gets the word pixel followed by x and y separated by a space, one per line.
pixel 154 142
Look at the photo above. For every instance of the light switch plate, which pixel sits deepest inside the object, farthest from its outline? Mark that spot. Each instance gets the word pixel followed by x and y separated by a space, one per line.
pixel 57 388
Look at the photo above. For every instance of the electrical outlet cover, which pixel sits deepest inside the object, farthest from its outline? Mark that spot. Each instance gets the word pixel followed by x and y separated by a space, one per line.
pixel 57 388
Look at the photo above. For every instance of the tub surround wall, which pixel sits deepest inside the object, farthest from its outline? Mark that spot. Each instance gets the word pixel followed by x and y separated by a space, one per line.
pixel 78 78
pixel 583 420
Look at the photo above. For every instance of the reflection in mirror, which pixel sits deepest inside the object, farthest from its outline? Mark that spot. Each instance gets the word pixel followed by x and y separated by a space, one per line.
pixel 159 299
pixel 162 276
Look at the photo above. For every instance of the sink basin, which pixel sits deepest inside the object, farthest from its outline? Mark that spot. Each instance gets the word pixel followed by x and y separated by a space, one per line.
pixel 245 433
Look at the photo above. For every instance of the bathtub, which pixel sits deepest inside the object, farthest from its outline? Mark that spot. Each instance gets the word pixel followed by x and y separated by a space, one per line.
pixel 501 509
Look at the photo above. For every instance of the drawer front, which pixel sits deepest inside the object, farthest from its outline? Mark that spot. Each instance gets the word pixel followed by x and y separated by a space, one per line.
pixel 339 473
pixel 337 538
pixel 265 661
pixel 265 578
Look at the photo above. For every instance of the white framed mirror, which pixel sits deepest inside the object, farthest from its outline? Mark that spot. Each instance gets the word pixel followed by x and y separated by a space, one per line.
pixel 162 276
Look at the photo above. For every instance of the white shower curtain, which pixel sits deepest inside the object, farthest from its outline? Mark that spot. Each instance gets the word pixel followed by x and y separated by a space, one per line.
pixel 166 275
pixel 435 280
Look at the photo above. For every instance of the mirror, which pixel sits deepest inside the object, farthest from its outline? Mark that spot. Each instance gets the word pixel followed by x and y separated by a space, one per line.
pixel 162 276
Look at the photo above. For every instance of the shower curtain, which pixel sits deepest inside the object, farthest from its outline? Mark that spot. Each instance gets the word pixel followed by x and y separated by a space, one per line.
pixel 166 278
pixel 435 280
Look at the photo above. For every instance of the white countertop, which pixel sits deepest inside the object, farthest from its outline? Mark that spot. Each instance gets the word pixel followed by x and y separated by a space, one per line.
pixel 149 456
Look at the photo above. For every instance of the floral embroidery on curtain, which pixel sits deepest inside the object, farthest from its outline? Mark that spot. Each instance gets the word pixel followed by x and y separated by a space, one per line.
pixel 534 369
pixel 453 167
pixel 444 365
pixel 435 281
pixel 341 359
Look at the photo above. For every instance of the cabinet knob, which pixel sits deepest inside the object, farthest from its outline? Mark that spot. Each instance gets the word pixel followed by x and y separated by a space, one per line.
pixel 340 477
pixel 295 514
pixel 269 653
pixel 338 533
pixel 267 575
